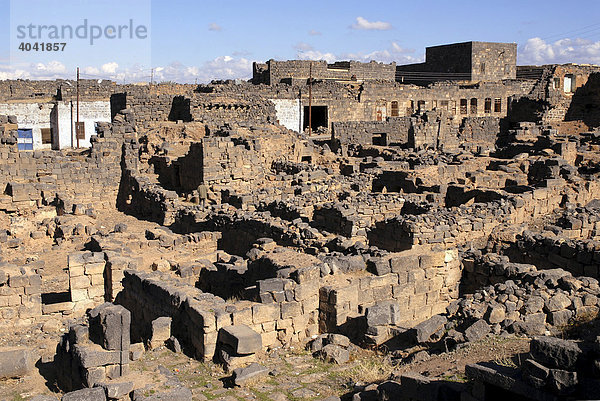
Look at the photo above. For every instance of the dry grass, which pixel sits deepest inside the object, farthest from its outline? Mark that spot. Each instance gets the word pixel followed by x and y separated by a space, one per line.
pixel 371 370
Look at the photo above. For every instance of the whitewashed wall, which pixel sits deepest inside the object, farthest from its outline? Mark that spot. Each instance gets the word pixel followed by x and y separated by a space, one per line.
pixel 289 113
pixel 31 115
pixel 89 114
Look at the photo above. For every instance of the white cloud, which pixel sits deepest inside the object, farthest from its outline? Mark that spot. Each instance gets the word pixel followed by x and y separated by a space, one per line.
pixel 314 32
pixel 51 70
pixel 110 68
pixel 223 67
pixel 91 70
pixel 538 51
pixel 215 27
pixel 303 46
pixel 52 67
pixel 394 52
pixel 363 24
pixel 311 54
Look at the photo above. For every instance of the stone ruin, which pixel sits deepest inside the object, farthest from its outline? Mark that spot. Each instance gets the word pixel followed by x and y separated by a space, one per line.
pixel 413 233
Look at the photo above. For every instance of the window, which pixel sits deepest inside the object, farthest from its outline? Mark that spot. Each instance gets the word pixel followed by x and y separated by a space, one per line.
pixel 452 107
pixel 395 112
pixel 474 105
pixel 556 83
pixel 463 106
pixel 482 68
pixel 497 105
pixel 80 130
pixel 46 136
pixel 444 105
pixel 506 69
pixel 421 105
pixel 488 105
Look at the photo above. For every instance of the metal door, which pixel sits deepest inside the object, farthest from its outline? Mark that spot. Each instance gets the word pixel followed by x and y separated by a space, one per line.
pixel 25 139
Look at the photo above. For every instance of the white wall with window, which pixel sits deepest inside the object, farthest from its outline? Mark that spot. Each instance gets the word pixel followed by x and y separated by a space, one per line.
pixel 35 116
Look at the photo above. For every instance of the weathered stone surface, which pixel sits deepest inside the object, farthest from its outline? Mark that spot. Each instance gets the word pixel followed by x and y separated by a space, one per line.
pixel 424 330
pixel 16 362
pixel 534 305
pixel 383 313
pixel 117 389
pixel 136 351
pixel 477 330
pixel 161 331
pixel 562 381
pixel 555 353
pixel 335 353
pixel 91 356
pixel 495 313
pixel 110 326
pixel 86 394
pixel 558 302
pixel 252 371
pixel 242 339
pixel 535 373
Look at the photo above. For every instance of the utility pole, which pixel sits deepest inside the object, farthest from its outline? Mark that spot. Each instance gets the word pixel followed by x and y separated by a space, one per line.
pixel 77 126
pixel 152 76
pixel 310 99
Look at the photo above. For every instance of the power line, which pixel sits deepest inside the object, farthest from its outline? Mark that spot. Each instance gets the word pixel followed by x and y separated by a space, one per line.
pixel 577 31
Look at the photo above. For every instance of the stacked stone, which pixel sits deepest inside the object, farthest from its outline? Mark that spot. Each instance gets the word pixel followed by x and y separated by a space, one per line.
pixel 237 346
pixel 288 312
pixel 580 257
pixel 294 305
pixel 407 289
pixel 581 223
pixel 20 296
pixel 522 301
pixel 36 178
pixel 556 369
pixel 464 224
pixel 86 279
pixel 91 355
pixel 353 218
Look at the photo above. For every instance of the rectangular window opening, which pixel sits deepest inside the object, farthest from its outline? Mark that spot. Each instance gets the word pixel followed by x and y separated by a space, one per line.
pixel 46 136
pixel 497 105
pixel 474 105
pixel 463 106
pixel 395 112
pixel 488 105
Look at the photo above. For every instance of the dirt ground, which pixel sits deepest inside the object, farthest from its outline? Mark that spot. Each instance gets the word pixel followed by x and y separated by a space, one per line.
pixel 294 374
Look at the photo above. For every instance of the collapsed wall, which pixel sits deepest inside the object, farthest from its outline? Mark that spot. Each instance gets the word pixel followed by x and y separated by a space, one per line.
pixel 32 179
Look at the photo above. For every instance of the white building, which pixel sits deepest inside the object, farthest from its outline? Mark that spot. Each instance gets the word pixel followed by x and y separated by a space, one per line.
pixel 52 124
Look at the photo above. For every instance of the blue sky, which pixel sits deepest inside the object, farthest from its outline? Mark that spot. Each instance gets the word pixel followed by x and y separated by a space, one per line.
pixel 192 41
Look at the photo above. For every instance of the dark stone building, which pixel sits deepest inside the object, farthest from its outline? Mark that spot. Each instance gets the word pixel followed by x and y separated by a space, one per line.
pixel 468 61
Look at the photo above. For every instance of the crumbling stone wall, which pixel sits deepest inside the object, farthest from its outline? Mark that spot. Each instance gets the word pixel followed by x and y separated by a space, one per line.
pixel 419 283
pixel 86 279
pixel 29 179
pixel 20 296
pixel 580 257
pixel 274 72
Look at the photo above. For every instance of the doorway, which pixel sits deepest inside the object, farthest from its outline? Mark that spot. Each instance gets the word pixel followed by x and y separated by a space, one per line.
pixel 319 117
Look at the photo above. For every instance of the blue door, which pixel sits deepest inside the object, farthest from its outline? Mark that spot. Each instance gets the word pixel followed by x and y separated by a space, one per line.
pixel 25 139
